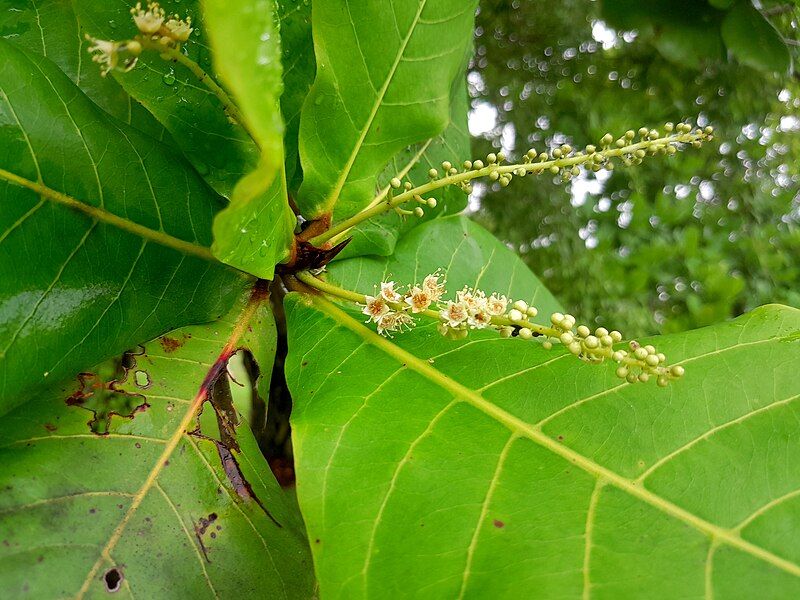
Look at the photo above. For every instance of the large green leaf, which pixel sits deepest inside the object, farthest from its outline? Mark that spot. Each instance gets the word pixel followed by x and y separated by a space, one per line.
pixel 257 230
pixel 150 497
pixel 50 28
pixel 383 83
pixel 495 468
pixel 75 289
pixel 220 150
pixel 754 41
pixel 379 235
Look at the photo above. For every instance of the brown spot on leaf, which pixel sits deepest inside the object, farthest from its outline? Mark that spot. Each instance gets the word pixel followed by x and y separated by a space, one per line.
pixel 498 523
pixel 50 427
pixel 170 344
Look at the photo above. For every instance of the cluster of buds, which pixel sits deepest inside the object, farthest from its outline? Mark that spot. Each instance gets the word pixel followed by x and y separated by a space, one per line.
pixel 418 211
pixel 154 25
pixel 394 310
pixel 631 148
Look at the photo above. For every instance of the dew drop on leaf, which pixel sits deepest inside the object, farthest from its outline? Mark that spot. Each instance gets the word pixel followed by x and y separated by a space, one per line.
pixel 169 78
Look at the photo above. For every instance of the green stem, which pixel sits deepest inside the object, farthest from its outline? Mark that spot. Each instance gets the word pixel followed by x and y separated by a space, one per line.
pixel 102 215
pixel 374 209
pixel 170 53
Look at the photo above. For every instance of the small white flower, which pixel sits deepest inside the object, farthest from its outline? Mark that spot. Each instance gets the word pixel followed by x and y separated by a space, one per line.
pixel 121 56
pixel 148 21
pixel 454 313
pixel 479 319
pixel 179 29
pixel 375 308
pixel 394 321
pixel 388 292
pixel 431 285
pixel 418 299
pixel 474 300
pixel 496 305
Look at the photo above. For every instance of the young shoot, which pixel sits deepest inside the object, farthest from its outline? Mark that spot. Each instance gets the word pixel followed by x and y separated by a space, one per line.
pixel 394 309
pixel 631 148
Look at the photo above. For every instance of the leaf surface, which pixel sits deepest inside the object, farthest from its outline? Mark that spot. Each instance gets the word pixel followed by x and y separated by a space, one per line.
pixel 50 28
pixel 220 150
pixel 495 468
pixel 379 235
pixel 154 500
pixel 74 289
pixel 754 41
pixel 256 231
pixel 299 69
pixel 383 83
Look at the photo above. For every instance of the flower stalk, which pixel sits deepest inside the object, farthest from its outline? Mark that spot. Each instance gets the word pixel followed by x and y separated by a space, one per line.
pixel 561 161
pixel 394 311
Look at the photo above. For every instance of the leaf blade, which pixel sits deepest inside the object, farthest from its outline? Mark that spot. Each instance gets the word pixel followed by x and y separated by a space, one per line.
pixel 550 456
pixel 374 93
pixel 72 304
pixel 178 500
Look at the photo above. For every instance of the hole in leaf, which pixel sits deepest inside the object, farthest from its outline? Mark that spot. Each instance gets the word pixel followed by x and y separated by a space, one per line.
pixel 113 580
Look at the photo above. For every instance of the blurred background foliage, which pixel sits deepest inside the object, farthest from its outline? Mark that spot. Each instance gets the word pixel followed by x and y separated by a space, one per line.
pixel 675 243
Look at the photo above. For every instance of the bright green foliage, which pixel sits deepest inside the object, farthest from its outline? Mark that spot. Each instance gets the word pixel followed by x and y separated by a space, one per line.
pixel 51 28
pixel 696 32
pixel 425 467
pixel 255 232
pixel 379 235
pixel 505 470
pixel 299 68
pixel 754 41
pixel 219 149
pixel 73 290
pixel 664 247
pixel 77 504
pixel 383 83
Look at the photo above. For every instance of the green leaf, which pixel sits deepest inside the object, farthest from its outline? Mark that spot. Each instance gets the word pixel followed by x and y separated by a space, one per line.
pixel 754 41
pixel 247 56
pixel 299 69
pixel 108 250
pixel 153 498
pixel 380 234
pixel 220 150
pixel 463 250
pixel 257 230
pixel 383 83
pixel 50 28
pixel 505 470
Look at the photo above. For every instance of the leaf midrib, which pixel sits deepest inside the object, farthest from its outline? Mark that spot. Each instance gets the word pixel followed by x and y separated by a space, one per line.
pixel 104 216
pixel 520 428
pixel 241 326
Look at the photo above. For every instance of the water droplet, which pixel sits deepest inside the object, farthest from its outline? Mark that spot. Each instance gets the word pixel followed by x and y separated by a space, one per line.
pixel 112 24
pixel 262 252
pixel 319 100
pixel 169 78
pixel 264 37
pixel 243 230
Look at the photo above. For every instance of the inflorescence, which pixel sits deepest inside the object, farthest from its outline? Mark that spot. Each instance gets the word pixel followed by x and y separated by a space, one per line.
pixel 565 162
pixel 395 309
pixel 157 30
